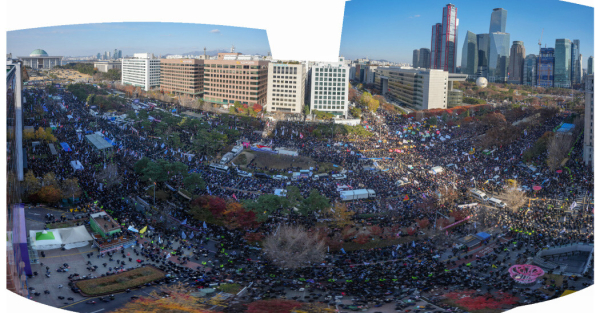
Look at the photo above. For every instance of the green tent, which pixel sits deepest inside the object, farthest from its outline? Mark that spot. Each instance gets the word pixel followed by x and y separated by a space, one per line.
pixel 44 236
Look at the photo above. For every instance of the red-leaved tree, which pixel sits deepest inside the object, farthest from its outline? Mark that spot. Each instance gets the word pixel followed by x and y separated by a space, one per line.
pixel 273 306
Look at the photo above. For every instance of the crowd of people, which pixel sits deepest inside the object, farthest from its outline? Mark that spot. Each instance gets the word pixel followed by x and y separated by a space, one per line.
pixel 399 148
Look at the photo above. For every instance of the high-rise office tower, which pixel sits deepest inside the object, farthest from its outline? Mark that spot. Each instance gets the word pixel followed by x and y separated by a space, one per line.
pixel 120 54
pixel 545 68
pixel 424 58
pixel 116 54
pixel 436 49
pixel 449 38
pixel 515 65
pixel 483 54
pixel 529 70
pixel 469 62
pixel 416 54
pixel 499 54
pixel 98 56
pixel 498 21
pixel 575 62
pixel 588 124
pixel 590 65
pixel 562 63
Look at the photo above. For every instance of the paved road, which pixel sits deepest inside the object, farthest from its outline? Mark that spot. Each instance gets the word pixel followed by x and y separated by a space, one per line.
pixel 100 306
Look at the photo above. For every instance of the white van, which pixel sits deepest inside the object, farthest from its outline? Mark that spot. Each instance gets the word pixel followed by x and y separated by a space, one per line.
pixel 338 176
pixel 496 202
pixel 319 176
pixel 478 195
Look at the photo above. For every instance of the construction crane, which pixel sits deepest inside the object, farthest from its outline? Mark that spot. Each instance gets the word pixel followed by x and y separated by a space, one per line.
pixel 540 57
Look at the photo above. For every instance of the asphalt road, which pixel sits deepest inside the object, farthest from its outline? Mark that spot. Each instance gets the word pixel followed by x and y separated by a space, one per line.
pixel 120 300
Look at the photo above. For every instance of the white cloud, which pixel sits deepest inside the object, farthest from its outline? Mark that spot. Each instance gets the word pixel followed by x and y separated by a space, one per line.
pixel 215 31
pixel 414 16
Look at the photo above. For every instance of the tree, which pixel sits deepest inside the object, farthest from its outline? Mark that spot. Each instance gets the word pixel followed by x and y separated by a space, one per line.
pixel 141 165
pixel 558 147
pixel 32 183
pixel 49 194
pixel 178 301
pixel 49 179
pixel 373 105
pixel 70 188
pixel 156 171
pixel 293 247
pixel 514 197
pixel 237 217
pixel 356 112
pixel 294 196
pixel 176 168
pixel 447 196
pixel 273 306
pixel 315 202
pixel 266 205
pixel 194 181
pixel 340 215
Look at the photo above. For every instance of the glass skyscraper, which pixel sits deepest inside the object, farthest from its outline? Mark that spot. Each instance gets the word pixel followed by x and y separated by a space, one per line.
pixel 545 72
pixel 416 54
pixel 515 66
pixel 575 62
pixel 590 65
pixel 499 54
pixel 469 62
pixel 424 58
pixel 483 53
pixel 449 38
pixel 436 46
pixel 529 70
pixel 562 63
pixel 498 21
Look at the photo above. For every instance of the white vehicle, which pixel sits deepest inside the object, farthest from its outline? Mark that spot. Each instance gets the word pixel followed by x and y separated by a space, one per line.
pixel 338 176
pixel 349 195
pixel 280 177
pixel 496 202
pixel 478 195
pixel 244 174
pixel 319 176
pixel 402 181
pixel 218 167
pixel 436 170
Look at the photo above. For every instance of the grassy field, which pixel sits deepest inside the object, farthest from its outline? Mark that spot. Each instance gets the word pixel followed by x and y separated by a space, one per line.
pixel 121 281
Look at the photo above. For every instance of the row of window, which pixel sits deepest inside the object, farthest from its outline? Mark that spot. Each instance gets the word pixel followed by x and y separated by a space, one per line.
pixel 285 70
pixel 328 107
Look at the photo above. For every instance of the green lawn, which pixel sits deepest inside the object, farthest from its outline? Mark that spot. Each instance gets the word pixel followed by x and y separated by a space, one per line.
pixel 120 282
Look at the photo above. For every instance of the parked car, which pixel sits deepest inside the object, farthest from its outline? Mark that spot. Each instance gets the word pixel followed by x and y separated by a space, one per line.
pixel 262 175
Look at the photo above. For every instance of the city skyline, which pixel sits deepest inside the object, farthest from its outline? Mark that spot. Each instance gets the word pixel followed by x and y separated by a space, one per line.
pixel 360 40
pixel 136 37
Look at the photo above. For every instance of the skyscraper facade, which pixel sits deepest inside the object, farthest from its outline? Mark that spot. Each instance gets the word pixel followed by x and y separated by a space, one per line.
pixel 120 54
pixel 575 62
pixel 98 56
pixel 469 62
pixel 545 69
pixel 515 65
pixel 424 58
pixel 562 63
pixel 416 55
pixel 498 21
pixel 483 53
pixel 436 43
pixel 499 57
pixel 588 126
pixel 590 65
pixel 449 38
pixel 530 70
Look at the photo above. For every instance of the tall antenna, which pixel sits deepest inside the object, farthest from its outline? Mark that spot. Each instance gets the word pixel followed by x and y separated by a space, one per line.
pixel 232 48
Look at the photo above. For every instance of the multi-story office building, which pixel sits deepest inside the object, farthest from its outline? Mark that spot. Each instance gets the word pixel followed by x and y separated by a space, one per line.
pixel 39 59
pixel 120 54
pixel 449 38
pixel 352 72
pixel 106 55
pixel 545 68
pixel 470 56
pixel 99 56
pixel 182 76
pixel 116 54
pixel 529 70
pixel 370 74
pixel 498 21
pixel 329 88
pixel 104 66
pixel 499 57
pixel 515 65
pixel 588 128
pixel 590 66
pixel 419 89
pixel 286 87
pixel 416 55
pixel 424 58
pixel 562 63
pixel 483 53
pixel 436 46
pixel 575 62
pixel 143 70
pixel 235 77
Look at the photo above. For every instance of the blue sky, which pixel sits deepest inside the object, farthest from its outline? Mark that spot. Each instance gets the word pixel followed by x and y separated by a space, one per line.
pixel 157 38
pixel 392 29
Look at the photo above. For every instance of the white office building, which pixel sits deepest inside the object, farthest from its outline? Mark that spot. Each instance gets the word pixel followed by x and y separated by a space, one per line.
pixel 143 70
pixel 329 88
pixel 286 87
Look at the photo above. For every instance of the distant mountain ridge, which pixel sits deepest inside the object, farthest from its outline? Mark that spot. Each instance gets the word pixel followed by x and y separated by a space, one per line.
pixel 208 52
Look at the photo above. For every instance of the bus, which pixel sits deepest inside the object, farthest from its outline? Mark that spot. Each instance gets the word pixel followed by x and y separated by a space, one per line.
pixel 218 167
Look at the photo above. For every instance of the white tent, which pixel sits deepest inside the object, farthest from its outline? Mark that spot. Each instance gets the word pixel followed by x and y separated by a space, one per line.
pixel 77 165
pixel 72 237
pixel 75 237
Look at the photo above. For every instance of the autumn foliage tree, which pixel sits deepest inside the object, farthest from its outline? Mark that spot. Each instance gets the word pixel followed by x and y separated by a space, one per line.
pixel 236 216
pixel 178 301
pixel 273 306
pixel 49 194
pixel 340 215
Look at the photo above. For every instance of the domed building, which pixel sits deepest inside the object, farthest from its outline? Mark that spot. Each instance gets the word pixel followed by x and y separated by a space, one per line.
pixel 39 59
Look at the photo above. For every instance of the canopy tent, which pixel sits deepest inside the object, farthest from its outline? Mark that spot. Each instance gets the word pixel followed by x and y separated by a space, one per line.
pixel 77 165
pixel 65 146
pixel 69 238
pixel 565 128
pixel 98 141
pixel 52 149
pixel 483 235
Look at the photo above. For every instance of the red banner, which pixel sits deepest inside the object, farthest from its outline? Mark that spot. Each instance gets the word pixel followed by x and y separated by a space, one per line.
pixel 456 223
